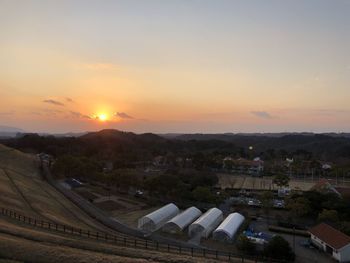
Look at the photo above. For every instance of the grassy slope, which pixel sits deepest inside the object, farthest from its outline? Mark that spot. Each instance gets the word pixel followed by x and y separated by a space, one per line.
pixel 23 190
pixel 21 243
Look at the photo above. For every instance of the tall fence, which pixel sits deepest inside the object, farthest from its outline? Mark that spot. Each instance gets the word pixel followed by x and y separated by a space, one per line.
pixel 131 242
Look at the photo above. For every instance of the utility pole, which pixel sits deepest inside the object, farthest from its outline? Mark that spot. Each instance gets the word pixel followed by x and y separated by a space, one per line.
pixel 294 239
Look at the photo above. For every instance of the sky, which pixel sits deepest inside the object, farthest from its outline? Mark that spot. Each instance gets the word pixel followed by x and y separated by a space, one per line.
pixel 175 66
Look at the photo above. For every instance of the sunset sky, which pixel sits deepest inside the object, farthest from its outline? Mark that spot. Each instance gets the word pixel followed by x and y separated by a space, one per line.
pixel 175 65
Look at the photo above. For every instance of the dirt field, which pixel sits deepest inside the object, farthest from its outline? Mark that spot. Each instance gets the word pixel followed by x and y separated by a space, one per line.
pixel 131 218
pixel 228 181
pixel 109 205
pixel 126 209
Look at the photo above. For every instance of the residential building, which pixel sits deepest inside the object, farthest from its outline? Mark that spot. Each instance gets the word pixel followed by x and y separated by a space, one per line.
pixel 332 241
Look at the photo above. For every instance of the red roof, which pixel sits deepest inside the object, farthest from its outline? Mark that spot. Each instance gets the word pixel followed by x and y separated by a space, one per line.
pixel 331 236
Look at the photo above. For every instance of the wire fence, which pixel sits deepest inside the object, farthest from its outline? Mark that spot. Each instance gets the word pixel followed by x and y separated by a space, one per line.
pixel 132 242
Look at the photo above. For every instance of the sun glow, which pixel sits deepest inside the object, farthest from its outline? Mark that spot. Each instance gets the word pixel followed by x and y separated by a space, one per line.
pixel 102 117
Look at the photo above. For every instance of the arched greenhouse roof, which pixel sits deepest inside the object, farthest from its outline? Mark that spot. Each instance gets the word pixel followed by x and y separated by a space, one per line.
pixel 230 225
pixel 159 217
pixel 206 223
pixel 186 217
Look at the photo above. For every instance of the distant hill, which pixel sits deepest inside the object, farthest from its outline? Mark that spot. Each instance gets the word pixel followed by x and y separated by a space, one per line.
pixel 111 143
pixel 327 146
pixel 230 136
pixel 10 129
pixel 9 132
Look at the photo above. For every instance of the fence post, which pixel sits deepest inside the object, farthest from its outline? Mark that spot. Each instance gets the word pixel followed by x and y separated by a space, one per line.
pixel 146 244
pixel 24 219
pixel 30 220
pixel 168 248
pixel 124 241
pixel 192 251
pixel 80 231
pixel 242 259
pixel 106 237
pixel 157 245
pixel 34 222
pixel 56 226
pixel 180 249
pixel 203 252
pixel 96 235
pixel 88 233
pixel 135 241
pixel 216 254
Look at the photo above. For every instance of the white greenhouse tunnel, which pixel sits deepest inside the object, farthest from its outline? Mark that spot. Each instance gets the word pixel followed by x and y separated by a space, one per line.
pixel 158 218
pixel 204 225
pixel 229 227
pixel 181 221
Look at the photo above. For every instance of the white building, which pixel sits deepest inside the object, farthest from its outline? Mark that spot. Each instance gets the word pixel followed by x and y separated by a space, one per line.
pixel 158 218
pixel 227 229
pixel 181 221
pixel 204 225
pixel 332 241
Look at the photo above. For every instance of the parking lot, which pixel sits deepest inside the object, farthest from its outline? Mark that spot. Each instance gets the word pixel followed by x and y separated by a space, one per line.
pixel 303 254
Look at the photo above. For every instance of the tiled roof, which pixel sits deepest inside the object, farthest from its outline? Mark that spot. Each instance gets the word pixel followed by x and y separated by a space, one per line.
pixel 331 236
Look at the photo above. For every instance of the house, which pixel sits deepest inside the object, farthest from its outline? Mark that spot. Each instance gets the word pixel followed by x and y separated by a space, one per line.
pixel 244 166
pixel 325 187
pixel 326 166
pixel 332 241
pixel 158 161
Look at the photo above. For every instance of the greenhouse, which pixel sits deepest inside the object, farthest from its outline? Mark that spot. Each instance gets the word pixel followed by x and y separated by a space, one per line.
pixel 158 218
pixel 227 229
pixel 204 225
pixel 181 221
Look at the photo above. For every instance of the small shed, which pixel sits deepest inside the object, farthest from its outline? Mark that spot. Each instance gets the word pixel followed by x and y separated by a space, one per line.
pixel 204 225
pixel 332 241
pixel 227 229
pixel 181 221
pixel 158 218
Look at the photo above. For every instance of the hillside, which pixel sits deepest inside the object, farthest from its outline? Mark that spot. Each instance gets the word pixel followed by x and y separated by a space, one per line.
pixel 128 148
pixel 326 146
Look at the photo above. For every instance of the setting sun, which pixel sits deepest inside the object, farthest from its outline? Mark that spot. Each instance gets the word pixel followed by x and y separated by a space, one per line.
pixel 102 117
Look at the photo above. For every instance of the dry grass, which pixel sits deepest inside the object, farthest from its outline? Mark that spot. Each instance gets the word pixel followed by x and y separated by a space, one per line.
pixel 23 163
pixel 41 200
pixel 20 243
pixel 29 251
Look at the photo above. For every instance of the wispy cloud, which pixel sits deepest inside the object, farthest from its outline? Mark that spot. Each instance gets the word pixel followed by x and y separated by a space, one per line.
pixel 69 100
pixel 262 114
pixel 53 102
pixel 7 113
pixel 79 115
pixel 123 115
